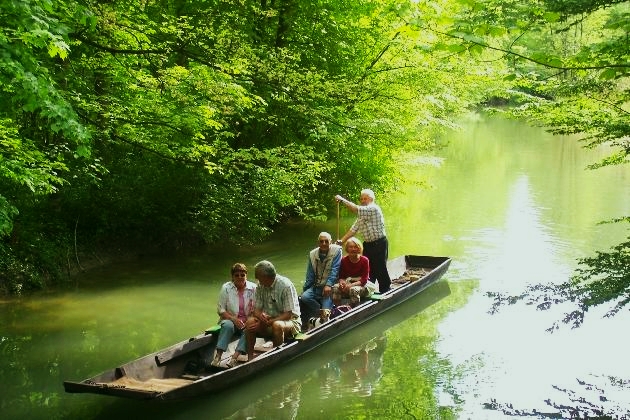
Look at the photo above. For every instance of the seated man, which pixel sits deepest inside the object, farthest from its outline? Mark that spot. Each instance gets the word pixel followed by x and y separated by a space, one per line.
pixel 276 311
pixel 321 274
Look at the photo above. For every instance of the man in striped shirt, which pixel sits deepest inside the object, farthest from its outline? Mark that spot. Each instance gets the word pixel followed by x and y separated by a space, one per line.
pixel 370 224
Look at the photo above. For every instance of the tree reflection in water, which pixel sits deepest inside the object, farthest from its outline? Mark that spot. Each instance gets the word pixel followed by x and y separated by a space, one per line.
pixel 355 372
pixel 589 402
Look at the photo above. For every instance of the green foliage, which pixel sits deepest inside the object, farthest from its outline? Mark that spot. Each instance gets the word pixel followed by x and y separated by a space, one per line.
pixel 17 272
pixel 7 213
pixel 577 7
pixel 22 164
pixel 40 134
pixel 568 68
pixel 31 40
pixel 173 122
pixel 254 190
pixel 604 279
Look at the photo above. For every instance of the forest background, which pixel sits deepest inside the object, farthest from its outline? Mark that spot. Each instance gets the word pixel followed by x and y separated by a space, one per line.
pixel 161 125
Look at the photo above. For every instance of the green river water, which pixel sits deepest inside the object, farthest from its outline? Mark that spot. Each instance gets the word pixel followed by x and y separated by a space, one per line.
pixel 511 204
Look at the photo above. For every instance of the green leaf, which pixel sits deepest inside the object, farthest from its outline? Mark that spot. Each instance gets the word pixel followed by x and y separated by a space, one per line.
pixel 551 16
pixel 58 48
pixel 497 30
pixel 608 74
pixel 476 49
pixel 83 151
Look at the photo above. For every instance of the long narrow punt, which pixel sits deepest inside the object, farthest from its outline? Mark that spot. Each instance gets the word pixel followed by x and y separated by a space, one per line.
pixel 176 372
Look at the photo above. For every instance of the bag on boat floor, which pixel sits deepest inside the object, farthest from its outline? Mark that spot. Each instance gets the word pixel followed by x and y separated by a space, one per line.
pixel 339 310
pixel 193 367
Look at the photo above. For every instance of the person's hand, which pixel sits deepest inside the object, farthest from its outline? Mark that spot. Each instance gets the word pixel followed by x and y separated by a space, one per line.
pixel 326 291
pixel 339 242
pixel 252 324
pixel 338 197
pixel 265 318
pixel 343 285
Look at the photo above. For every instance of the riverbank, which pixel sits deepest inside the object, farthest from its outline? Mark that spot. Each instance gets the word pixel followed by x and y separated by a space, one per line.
pixel 61 264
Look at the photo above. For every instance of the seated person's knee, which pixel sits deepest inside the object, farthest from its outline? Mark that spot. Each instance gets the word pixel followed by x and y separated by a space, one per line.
pixel 277 330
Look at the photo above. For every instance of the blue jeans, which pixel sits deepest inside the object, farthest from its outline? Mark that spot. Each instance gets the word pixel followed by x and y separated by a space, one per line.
pixel 225 336
pixel 312 301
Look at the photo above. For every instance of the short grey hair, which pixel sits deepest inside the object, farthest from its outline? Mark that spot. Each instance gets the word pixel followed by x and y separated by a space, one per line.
pixel 368 192
pixel 266 268
pixel 325 235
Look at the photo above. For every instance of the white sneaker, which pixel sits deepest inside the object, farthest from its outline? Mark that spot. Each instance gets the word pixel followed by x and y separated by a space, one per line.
pixel 216 362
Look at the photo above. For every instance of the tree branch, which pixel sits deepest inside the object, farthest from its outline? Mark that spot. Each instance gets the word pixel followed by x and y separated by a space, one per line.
pixel 530 59
pixel 113 50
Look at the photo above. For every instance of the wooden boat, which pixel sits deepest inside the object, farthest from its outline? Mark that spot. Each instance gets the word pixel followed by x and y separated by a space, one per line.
pixel 174 373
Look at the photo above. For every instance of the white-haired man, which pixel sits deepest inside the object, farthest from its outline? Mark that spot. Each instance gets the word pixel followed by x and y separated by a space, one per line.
pixel 322 271
pixel 370 223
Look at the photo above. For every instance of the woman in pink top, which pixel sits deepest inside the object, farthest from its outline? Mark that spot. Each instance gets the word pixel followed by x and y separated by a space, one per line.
pixel 353 274
pixel 236 303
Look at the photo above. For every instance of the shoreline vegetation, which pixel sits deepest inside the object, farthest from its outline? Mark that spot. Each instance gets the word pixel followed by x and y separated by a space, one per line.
pixel 164 126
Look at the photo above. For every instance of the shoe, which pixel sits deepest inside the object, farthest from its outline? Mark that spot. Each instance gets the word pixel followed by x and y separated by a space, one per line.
pixel 216 362
pixel 324 315
pixel 231 363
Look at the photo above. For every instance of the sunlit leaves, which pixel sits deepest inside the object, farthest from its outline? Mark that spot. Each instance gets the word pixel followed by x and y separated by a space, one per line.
pixel 547 59
pixel 608 74
pixel 22 164
pixel 551 17
pixel 253 189
pixel 33 35
pixel 616 158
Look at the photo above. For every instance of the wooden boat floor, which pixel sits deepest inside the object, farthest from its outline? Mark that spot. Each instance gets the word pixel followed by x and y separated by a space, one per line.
pixel 153 384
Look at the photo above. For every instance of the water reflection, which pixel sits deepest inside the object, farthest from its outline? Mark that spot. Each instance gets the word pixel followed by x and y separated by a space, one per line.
pixel 356 373
pixel 352 371
pixel 284 403
pixel 359 370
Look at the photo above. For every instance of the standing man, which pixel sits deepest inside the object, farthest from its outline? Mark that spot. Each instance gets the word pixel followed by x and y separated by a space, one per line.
pixel 321 275
pixel 370 224
pixel 276 311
